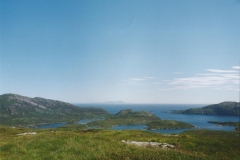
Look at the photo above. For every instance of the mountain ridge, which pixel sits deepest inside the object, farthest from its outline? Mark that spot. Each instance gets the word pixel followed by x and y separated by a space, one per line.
pixel 16 109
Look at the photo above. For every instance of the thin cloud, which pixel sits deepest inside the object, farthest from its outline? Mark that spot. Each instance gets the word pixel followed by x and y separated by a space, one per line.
pixel 214 79
pixel 138 81
pixel 221 71
pixel 236 67
pixel 211 79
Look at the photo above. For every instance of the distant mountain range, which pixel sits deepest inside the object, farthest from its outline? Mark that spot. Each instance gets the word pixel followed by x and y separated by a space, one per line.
pixel 20 110
pixel 223 109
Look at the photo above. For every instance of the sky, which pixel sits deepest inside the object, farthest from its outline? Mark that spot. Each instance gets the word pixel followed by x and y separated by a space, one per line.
pixel 136 51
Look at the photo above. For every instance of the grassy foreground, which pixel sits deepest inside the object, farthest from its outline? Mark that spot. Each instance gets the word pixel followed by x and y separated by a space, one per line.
pixel 74 143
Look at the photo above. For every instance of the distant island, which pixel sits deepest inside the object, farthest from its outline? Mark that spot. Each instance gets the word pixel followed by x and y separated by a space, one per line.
pixel 114 102
pixel 222 109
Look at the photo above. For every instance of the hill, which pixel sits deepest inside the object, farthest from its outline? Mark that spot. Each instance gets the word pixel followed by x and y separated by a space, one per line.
pixel 223 109
pixel 20 110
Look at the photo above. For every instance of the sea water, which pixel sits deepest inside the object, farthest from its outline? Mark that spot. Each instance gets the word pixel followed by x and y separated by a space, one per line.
pixel 163 111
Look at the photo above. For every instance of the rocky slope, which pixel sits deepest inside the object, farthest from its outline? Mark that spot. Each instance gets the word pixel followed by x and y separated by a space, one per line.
pixel 223 109
pixel 19 110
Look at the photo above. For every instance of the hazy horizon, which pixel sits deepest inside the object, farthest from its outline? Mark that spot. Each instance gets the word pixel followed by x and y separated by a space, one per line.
pixel 138 51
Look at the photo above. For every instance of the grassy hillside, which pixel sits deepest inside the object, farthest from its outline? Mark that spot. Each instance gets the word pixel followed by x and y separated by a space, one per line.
pixel 223 109
pixel 21 110
pixel 74 143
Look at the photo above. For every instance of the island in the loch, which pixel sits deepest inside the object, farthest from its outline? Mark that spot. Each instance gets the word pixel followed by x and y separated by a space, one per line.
pixel 20 110
pixel 130 117
pixel 222 109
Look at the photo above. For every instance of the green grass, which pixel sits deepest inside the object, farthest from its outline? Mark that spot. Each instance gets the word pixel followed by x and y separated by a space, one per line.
pixel 75 143
pixel 118 121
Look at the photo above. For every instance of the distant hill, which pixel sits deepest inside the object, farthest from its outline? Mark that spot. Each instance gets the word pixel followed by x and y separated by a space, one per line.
pixel 114 102
pixel 223 109
pixel 20 110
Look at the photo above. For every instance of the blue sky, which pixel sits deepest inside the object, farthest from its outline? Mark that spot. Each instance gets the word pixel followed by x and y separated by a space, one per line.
pixel 163 51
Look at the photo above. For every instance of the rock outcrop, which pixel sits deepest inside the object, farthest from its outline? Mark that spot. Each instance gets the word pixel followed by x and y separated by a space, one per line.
pixel 151 144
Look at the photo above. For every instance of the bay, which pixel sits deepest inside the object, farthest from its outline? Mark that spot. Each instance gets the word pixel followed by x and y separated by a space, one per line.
pixel 164 112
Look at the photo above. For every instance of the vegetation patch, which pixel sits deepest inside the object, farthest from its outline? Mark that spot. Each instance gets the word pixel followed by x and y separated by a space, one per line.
pixel 76 143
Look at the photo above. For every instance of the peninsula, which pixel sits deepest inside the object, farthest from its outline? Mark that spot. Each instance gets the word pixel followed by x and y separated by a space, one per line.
pixel 221 109
pixel 20 110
